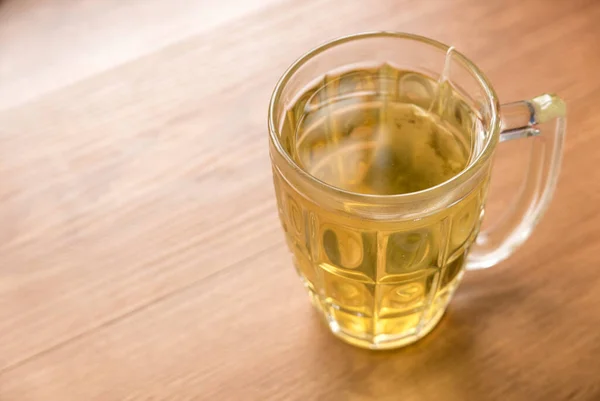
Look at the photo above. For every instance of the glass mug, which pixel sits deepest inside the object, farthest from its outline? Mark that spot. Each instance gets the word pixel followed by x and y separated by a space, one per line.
pixel 381 269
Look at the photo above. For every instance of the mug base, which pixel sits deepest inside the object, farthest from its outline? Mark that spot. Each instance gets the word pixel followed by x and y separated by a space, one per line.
pixel 386 342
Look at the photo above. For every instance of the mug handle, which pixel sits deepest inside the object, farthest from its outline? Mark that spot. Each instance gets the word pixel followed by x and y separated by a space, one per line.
pixel 544 119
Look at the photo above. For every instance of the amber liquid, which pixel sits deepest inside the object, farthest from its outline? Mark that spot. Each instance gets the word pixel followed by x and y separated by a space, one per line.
pixel 379 131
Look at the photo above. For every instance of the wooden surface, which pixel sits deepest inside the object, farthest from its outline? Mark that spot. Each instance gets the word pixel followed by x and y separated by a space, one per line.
pixel 140 253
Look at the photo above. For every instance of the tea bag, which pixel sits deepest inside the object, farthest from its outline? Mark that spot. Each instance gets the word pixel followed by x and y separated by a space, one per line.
pixel 415 147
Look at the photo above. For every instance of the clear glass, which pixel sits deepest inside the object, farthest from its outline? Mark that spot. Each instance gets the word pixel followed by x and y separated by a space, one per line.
pixel 381 269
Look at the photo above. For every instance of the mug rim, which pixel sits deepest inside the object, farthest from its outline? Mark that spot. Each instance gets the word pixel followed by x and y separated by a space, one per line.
pixel 436 190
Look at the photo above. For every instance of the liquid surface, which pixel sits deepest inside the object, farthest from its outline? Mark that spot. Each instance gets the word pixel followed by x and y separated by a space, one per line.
pixel 379 284
pixel 366 132
pixel 380 148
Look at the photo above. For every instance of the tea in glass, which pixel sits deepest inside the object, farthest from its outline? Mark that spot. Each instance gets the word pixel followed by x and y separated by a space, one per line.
pixel 379 131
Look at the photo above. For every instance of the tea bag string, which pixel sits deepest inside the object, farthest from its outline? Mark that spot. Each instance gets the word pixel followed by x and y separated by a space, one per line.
pixel 440 96
pixel 441 101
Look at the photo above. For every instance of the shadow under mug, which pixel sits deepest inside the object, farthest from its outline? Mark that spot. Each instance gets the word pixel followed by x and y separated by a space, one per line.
pixel 381 269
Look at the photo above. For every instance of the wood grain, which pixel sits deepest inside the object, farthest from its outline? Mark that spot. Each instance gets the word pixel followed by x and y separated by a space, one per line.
pixel 49 44
pixel 140 253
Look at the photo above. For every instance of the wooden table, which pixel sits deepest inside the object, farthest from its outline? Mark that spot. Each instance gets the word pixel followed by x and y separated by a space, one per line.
pixel 140 253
